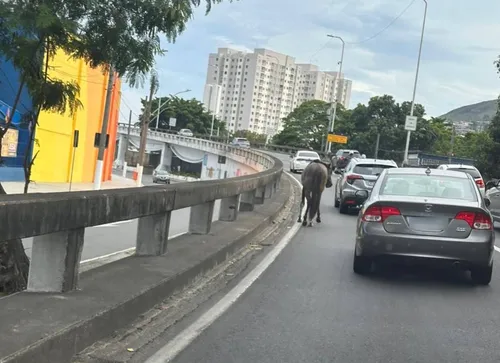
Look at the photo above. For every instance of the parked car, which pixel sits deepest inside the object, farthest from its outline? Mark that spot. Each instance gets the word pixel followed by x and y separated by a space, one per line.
pixel 240 142
pixel 469 169
pixel 360 174
pixel 301 159
pixel 412 216
pixel 186 132
pixel 342 158
pixel 161 174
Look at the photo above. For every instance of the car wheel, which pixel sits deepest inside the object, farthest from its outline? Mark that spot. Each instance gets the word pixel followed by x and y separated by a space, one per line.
pixel 343 209
pixel 361 265
pixel 154 181
pixel 482 275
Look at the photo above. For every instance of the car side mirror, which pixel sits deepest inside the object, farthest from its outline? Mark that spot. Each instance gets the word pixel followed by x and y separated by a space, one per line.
pixel 487 202
pixel 361 196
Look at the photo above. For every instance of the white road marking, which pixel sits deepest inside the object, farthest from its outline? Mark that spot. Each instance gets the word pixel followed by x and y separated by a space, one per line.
pixel 169 351
pixel 122 252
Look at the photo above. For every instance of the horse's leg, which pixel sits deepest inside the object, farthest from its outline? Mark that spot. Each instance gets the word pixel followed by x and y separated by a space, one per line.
pixel 318 217
pixel 314 208
pixel 301 205
pixel 304 222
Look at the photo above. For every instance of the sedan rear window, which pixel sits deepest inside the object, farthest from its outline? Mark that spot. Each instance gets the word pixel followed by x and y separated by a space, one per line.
pixel 474 173
pixel 370 169
pixel 437 186
pixel 346 154
pixel 307 154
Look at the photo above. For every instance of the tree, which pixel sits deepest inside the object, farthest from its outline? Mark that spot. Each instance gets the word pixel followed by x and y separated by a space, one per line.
pixel 120 36
pixel 189 114
pixel 306 126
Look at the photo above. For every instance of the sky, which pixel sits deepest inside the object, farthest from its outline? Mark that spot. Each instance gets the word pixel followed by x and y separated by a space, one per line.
pixel 459 47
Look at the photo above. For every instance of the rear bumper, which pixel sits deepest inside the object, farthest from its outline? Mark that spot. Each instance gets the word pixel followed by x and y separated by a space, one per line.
pixel 476 250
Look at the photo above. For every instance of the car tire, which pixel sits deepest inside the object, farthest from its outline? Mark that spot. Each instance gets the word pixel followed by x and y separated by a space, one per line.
pixel 154 181
pixel 361 265
pixel 343 209
pixel 482 275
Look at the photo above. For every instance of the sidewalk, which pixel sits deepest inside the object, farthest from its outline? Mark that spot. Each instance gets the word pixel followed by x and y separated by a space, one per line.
pixel 34 187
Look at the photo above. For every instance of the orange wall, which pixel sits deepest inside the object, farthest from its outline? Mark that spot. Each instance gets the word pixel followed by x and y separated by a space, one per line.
pixel 55 132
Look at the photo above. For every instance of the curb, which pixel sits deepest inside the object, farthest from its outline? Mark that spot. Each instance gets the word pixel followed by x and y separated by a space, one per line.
pixel 61 346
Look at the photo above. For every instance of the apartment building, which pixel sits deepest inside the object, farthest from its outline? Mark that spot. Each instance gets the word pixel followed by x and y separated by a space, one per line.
pixel 255 91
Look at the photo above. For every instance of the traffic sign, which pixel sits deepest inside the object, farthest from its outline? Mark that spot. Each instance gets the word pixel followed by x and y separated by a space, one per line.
pixel 172 122
pixel 411 123
pixel 339 139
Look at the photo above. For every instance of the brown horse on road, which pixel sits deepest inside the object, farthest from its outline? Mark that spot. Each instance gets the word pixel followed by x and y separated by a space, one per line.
pixel 315 178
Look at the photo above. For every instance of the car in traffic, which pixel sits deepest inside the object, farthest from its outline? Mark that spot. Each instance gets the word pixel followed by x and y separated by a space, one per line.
pixel 342 158
pixel 241 142
pixel 186 132
pixel 493 195
pixel 360 174
pixel 301 159
pixel 161 174
pixel 469 169
pixel 411 215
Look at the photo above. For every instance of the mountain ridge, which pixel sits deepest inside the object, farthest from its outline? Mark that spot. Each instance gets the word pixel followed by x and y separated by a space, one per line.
pixel 481 111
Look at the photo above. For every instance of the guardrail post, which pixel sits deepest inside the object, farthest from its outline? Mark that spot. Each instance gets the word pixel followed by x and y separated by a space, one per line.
pixel 152 235
pixel 55 261
pixel 247 201
pixel 200 219
pixel 229 208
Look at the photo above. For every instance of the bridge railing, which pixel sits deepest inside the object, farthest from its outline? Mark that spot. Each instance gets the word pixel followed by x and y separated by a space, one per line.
pixel 57 221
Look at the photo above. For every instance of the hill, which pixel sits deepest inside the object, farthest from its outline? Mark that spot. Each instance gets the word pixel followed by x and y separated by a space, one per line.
pixel 482 111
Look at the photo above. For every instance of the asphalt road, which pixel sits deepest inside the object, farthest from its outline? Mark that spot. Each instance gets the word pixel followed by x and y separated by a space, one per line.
pixel 309 306
pixel 114 237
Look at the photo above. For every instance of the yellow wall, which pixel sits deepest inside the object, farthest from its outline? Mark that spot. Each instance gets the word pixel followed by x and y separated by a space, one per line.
pixel 54 147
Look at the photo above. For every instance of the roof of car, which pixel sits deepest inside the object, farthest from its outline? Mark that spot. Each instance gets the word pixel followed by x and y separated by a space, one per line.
pixel 421 171
pixel 374 161
pixel 461 166
pixel 306 151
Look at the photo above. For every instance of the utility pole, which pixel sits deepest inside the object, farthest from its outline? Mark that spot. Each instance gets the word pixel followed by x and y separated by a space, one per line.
pixel 408 134
pixel 377 145
pixel 332 124
pixel 128 131
pixel 104 131
pixel 158 115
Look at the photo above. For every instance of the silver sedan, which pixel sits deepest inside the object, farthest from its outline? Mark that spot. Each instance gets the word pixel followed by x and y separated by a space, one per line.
pixel 424 215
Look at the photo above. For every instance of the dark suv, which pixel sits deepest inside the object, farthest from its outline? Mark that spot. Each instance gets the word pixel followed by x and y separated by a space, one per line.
pixel 341 158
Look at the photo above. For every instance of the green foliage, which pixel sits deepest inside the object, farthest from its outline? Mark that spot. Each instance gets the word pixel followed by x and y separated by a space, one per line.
pixel 190 114
pixel 306 126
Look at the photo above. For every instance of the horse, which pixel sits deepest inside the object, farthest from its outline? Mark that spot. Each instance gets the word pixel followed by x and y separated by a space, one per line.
pixel 315 178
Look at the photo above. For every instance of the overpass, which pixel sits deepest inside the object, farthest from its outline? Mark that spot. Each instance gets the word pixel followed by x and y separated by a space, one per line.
pixel 191 150
pixel 64 310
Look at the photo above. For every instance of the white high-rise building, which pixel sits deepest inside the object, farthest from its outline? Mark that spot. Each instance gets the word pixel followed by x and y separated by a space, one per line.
pixel 257 90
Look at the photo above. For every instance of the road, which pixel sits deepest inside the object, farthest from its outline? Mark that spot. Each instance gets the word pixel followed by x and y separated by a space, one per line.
pixel 114 237
pixel 309 306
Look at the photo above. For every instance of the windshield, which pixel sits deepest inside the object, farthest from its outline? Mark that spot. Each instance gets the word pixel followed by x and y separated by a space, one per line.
pixel 161 168
pixel 307 154
pixel 428 186
pixel 474 173
pixel 370 169
pixel 241 140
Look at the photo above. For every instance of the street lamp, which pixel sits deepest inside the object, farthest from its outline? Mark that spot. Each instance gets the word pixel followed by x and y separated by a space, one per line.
pixel 408 134
pixel 328 145
pixel 159 106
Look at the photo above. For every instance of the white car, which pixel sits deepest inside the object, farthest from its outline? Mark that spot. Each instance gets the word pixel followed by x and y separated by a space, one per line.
pixel 241 142
pixel 186 132
pixel 301 159
pixel 469 169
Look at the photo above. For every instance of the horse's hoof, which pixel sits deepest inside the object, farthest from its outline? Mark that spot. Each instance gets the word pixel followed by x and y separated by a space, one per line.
pixel 310 224
pixel 318 220
pixel 299 220
pixel 304 223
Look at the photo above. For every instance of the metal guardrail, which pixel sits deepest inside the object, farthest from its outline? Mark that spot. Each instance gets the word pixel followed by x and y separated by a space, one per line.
pixel 57 221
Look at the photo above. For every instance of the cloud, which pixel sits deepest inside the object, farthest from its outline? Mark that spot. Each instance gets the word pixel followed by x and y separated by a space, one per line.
pixel 457 55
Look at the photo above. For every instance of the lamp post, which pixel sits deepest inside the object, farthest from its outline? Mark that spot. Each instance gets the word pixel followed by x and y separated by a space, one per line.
pixel 159 110
pixel 328 145
pixel 408 134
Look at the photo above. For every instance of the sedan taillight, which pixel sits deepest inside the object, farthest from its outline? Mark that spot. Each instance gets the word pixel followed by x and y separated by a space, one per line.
pixel 475 220
pixel 352 177
pixel 379 214
pixel 480 183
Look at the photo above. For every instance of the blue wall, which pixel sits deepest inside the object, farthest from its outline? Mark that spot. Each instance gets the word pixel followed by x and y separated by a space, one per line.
pixel 11 168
